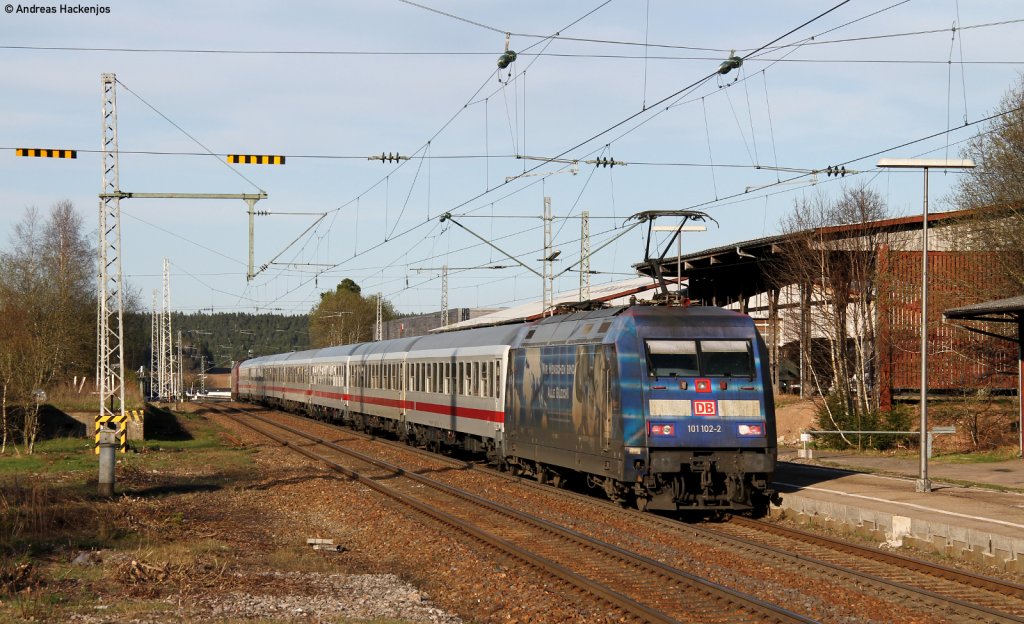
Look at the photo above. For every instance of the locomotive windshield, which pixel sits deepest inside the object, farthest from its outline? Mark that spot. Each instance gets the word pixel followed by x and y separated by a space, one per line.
pixel 690 358
pixel 673 358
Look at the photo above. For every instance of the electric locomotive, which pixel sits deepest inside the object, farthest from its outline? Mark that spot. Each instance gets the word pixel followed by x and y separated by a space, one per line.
pixel 663 407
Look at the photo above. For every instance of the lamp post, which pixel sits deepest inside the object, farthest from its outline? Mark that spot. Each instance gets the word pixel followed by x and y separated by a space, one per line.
pixel 923 484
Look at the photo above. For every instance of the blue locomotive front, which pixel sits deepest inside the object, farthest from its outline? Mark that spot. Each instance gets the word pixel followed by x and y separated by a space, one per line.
pixel 667 407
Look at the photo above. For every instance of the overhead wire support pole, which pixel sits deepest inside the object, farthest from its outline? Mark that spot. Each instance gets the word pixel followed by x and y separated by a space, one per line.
pixel 585 256
pixel 444 295
pixel 166 338
pixel 110 302
pixel 549 257
pixel 249 198
pixel 378 330
pixel 448 217
pixel 154 346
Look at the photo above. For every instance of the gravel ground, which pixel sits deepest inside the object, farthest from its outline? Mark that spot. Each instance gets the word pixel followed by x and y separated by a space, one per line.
pixel 813 594
pixel 239 553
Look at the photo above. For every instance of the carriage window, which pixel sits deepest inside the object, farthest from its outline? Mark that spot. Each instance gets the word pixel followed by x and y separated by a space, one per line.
pixel 474 389
pixel 485 380
pixel 447 378
pixel 726 358
pixel 673 358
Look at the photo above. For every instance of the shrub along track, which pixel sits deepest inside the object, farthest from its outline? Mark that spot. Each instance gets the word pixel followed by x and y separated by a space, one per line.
pixel 641 588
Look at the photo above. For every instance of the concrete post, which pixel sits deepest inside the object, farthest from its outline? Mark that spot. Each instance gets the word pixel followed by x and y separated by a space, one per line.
pixel 108 457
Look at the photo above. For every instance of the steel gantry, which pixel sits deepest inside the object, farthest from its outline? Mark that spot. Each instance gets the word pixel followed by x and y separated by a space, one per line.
pixel 110 300
pixel 167 378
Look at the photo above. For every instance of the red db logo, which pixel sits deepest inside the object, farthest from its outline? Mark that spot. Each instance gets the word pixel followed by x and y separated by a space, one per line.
pixel 704 408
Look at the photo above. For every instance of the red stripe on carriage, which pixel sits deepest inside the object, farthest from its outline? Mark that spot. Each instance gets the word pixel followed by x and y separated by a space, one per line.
pixel 420 406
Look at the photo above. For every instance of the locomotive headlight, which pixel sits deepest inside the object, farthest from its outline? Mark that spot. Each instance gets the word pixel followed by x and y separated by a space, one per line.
pixel 750 430
pixel 663 429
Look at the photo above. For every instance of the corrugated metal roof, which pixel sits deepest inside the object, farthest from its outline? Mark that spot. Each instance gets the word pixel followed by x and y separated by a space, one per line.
pixel 1010 305
pixel 612 293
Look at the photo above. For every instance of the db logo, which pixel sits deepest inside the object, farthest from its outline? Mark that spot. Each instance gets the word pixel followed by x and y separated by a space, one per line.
pixel 703 408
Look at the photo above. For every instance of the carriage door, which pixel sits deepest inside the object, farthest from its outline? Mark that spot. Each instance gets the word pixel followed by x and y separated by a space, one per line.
pixel 606 405
pixel 402 388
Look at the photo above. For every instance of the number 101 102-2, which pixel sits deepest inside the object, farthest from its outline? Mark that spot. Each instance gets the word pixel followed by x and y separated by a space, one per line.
pixel 704 428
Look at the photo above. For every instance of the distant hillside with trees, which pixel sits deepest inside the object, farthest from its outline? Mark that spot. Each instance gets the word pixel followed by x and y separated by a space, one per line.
pixel 222 338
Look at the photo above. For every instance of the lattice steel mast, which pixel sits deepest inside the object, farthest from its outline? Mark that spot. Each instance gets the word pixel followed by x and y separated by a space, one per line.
pixel 585 256
pixel 378 330
pixel 549 269
pixel 154 348
pixel 110 301
pixel 444 295
pixel 167 337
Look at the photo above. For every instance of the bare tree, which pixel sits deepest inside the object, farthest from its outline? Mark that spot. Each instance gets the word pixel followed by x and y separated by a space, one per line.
pixel 839 267
pixel 49 305
pixel 996 184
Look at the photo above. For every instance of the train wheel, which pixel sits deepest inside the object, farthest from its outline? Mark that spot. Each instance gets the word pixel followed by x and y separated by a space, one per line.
pixel 543 474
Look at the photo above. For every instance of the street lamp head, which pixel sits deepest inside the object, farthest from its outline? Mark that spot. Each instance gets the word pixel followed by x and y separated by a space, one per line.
pixel 926 163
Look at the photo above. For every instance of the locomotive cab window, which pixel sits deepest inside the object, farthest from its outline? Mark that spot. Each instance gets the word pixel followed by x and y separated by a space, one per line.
pixel 706 358
pixel 673 358
pixel 726 358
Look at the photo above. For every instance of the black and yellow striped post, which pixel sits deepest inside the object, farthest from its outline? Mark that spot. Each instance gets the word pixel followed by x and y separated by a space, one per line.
pixel 255 159
pixel 119 423
pixel 35 152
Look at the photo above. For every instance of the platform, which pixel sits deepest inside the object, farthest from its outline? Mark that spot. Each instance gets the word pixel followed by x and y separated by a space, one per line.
pixel 875 496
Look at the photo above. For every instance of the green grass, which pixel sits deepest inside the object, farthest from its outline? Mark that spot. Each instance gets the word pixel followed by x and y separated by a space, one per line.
pixel 57 455
pixel 980 457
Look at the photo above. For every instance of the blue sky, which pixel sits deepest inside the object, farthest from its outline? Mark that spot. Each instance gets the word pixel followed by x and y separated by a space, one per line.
pixel 330 83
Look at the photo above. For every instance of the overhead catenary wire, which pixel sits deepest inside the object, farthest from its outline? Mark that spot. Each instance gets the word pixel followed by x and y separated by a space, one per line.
pixel 402 221
pixel 310 52
pixel 194 140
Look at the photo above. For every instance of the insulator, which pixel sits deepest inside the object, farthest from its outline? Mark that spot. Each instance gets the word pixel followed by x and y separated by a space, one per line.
pixel 510 56
pixel 729 64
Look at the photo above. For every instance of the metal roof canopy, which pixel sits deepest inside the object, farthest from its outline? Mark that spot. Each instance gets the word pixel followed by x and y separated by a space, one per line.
pixel 1009 310
pixel 730 273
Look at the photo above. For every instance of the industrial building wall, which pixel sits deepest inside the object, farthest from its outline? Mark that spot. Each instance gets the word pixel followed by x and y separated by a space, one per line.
pixel 423 324
pixel 957 359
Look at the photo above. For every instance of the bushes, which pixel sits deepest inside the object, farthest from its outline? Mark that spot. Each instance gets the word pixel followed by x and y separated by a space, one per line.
pixel 834 415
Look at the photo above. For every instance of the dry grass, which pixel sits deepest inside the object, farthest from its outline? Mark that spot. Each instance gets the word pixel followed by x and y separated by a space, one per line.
pixel 70 398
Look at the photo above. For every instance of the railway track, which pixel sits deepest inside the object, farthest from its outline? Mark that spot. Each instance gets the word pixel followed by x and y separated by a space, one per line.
pixel 640 588
pixel 995 596
pixel 949 594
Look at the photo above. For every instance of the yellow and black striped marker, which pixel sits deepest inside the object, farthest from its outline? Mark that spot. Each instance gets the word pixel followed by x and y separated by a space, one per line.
pixel 33 152
pixel 250 159
pixel 121 424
